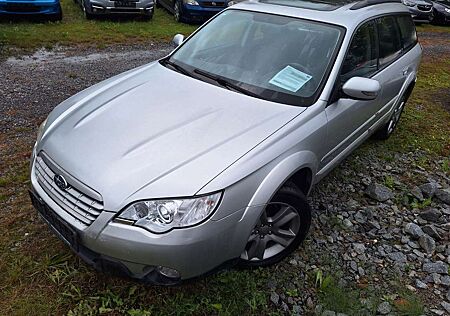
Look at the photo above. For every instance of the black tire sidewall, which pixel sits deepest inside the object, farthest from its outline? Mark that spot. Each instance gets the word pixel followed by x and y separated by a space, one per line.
pixel 292 196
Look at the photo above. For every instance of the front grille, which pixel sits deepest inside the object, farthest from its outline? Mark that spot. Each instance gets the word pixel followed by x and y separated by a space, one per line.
pixel 79 205
pixel 212 4
pixel 424 7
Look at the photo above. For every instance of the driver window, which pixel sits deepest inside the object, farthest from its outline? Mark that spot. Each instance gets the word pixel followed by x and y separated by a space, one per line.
pixel 361 59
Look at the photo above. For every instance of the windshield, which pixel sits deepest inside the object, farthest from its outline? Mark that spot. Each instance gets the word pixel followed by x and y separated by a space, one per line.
pixel 276 58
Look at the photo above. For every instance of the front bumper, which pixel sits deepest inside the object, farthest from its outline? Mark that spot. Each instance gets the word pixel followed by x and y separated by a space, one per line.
pixel 29 7
pixel 421 16
pixel 137 253
pixel 99 7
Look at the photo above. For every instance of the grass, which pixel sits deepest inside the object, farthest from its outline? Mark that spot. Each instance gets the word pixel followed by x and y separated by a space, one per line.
pixel 74 29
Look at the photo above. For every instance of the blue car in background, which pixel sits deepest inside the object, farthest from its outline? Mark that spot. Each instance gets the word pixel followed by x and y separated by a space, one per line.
pixel 194 11
pixel 50 9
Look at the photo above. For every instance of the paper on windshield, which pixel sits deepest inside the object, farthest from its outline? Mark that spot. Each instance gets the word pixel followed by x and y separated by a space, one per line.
pixel 290 79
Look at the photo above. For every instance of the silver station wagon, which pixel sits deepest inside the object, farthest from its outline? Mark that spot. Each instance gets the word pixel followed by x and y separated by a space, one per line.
pixel 204 159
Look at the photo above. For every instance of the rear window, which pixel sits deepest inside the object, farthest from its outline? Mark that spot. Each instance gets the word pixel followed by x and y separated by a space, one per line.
pixel 390 44
pixel 407 30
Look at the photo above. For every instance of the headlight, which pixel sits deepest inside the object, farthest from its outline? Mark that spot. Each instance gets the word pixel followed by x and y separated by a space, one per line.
pixel 162 215
pixel 41 130
pixel 191 2
pixel 447 10
pixel 408 3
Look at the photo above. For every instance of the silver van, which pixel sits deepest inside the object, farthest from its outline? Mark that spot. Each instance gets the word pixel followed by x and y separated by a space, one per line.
pixel 205 158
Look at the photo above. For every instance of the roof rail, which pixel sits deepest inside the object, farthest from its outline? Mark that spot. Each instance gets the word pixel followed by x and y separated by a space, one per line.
pixel 367 3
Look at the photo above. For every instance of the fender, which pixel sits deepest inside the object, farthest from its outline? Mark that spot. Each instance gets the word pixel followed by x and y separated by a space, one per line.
pixel 281 173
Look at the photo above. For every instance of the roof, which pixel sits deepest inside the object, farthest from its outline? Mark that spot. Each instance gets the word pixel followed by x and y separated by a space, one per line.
pixel 347 13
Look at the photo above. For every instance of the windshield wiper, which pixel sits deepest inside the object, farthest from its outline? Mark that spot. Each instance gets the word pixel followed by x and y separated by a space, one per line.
pixel 177 67
pixel 225 83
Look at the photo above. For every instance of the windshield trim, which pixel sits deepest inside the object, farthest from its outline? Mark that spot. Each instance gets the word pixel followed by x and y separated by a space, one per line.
pixel 303 101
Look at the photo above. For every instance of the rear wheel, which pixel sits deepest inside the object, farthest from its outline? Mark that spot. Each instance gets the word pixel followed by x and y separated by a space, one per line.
pixel 282 226
pixel 386 130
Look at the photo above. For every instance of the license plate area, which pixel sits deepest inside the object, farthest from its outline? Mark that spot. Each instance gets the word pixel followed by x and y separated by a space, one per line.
pixel 58 225
pixel 124 4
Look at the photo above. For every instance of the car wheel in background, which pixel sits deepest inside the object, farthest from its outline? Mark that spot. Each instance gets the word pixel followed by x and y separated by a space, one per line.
pixel 86 13
pixel 282 226
pixel 177 11
pixel 57 16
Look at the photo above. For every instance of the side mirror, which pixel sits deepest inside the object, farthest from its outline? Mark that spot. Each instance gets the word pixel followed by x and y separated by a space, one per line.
pixel 178 39
pixel 360 88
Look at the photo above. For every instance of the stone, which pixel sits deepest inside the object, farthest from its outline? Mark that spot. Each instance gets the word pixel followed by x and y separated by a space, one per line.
pixel 428 189
pixel 432 231
pixel 435 267
pixel 297 310
pixel 446 306
pixel 414 230
pixel 274 298
pixel 448 295
pixel 421 285
pixel 398 256
pixel 384 308
pixel 445 280
pixel 427 243
pixel 443 195
pixel 328 313
pixel 347 223
pixel 417 193
pixel 378 192
pixel 359 248
pixel 431 215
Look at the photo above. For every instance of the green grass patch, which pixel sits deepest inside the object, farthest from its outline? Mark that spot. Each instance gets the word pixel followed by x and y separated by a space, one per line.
pixel 75 29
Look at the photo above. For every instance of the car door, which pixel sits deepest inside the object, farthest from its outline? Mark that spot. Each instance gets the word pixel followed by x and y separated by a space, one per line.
pixel 392 69
pixel 348 119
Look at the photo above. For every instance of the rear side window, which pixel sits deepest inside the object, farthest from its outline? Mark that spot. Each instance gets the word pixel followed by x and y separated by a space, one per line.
pixel 361 59
pixel 390 45
pixel 407 30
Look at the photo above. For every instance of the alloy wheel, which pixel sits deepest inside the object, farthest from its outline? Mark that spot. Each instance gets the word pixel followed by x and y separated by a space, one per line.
pixel 276 229
pixel 396 116
pixel 177 13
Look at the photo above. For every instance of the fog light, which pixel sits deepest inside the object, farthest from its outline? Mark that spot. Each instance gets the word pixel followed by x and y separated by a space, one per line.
pixel 168 272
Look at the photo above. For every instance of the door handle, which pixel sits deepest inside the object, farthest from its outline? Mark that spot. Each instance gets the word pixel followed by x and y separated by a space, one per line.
pixel 405 72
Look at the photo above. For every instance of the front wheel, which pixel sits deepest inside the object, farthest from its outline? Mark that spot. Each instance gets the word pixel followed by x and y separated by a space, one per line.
pixel 57 16
pixel 282 226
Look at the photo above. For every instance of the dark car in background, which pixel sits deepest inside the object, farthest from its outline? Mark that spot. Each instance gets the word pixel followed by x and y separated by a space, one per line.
pixel 441 12
pixel 49 9
pixel 194 11
pixel 421 10
pixel 92 8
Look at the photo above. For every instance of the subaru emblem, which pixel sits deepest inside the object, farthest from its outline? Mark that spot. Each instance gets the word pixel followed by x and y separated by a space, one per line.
pixel 60 182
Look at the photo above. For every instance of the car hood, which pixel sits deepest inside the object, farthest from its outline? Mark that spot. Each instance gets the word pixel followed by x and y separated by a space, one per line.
pixel 154 133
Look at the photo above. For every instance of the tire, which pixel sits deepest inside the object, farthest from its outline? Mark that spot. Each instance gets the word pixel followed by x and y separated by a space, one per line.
pixel 86 13
pixel 387 129
pixel 289 214
pixel 178 12
pixel 57 16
